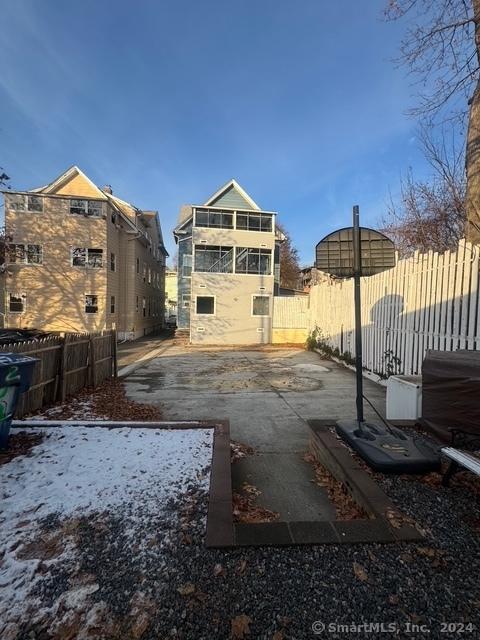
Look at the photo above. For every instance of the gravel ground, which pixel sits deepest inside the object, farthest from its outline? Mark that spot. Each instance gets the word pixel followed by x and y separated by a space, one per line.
pixel 178 589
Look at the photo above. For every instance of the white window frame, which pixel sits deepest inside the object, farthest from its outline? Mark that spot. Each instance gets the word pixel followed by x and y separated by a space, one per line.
pixel 261 295
pixel 25 253
pixel 90 313
pixel 25 199
pixel 86 265
pixel 255 214
pixel 22 296
pixel 262 275
pixel 85 212
pixel 187 255
pixel 199 295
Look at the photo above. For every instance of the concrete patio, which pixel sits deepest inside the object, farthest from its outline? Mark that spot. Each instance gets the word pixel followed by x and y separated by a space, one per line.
pixel 267 395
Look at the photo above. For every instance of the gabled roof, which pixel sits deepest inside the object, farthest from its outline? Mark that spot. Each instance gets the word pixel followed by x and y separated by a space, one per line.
pixel 232 195
pixel 127 211
pixel 70 174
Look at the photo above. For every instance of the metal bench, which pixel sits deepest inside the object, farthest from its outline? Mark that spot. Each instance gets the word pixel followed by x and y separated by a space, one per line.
pixel 459 459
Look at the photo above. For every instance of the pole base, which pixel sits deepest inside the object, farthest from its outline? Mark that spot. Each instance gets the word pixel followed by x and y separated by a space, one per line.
pixel 389 452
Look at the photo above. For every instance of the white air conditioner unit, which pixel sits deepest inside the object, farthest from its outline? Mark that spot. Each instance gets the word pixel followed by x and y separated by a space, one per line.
pixel 404 398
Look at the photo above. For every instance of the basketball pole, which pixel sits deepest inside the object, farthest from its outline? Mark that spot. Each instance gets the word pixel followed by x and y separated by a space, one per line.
pixel 357 272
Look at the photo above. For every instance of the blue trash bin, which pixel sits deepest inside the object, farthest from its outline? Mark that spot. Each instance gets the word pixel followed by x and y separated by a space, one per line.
pixel 16 371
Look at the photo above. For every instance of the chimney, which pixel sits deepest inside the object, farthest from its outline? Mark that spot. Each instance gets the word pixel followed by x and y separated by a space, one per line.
pixel 107 189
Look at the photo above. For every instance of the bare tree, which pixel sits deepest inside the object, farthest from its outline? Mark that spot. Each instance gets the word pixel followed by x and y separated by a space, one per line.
pixel 431 214
pixel 289 265
pixel 4 179
pixel 442 49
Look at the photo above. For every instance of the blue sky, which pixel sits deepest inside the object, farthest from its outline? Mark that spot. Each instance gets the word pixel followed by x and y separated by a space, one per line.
pixel 166 101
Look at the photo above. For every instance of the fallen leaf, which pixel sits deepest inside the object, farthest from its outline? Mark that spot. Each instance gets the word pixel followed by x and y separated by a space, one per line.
pixel 240 626
pixel 426 551
pixel 186 538
pixel 186 589
pixel 218 570
pixel 372 556
pixel 242 565
pixel 278 635
pixel 360 572
pixel 393 599
pixel 249 488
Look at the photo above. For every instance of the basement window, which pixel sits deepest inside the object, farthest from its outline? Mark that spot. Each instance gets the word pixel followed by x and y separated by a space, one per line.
pixel 261 306
pixel 17 302
pixel 91 303
pixel 90 208
pixel 205 305
pixel 85 257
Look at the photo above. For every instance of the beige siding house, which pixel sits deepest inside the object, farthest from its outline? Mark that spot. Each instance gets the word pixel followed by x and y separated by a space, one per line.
pixel 80 259
pixel 227 269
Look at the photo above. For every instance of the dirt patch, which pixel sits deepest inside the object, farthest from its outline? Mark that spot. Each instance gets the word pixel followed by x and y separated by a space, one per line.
pixel 20 444
pixel 108 401
pixel 345 506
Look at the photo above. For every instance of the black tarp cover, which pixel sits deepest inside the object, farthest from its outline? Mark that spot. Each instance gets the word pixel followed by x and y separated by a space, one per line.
pixel 451 392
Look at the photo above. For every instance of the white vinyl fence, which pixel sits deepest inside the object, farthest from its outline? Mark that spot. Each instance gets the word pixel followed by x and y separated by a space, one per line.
pixel 428 301
pixel 290 312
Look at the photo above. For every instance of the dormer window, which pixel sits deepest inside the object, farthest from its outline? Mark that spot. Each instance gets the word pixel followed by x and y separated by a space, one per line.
pixel 90 208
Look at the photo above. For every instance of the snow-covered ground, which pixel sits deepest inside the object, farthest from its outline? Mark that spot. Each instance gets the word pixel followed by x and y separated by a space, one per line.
pixel 78 475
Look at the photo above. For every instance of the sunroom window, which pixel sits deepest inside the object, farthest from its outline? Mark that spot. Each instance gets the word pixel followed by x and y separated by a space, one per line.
pixel 254 222
pixel 214 259
pixel 213 218
pixel 252 260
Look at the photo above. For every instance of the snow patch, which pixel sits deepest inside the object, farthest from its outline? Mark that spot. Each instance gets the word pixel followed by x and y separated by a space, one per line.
pixel 77 471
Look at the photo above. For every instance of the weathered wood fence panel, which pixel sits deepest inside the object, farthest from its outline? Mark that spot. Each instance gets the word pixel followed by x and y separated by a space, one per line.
pixel 428 301
pixel 66 365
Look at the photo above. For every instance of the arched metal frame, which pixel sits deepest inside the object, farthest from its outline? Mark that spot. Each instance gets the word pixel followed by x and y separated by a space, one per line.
pixel 334 254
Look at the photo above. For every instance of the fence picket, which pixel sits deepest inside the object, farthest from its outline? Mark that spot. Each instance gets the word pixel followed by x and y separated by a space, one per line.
pixel 428 301
pixel 62 366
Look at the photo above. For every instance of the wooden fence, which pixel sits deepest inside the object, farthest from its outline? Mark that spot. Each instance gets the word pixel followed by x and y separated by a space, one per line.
pixel 428 301
pixel 66 365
